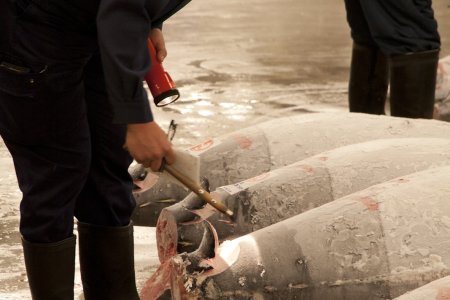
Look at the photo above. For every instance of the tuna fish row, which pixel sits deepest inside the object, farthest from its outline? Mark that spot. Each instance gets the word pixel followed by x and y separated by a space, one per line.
pixel 181 227
pixel 288 191
pixel 273 144
pixel 377 243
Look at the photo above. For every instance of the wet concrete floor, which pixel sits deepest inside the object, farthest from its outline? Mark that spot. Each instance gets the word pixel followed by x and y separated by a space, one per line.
pixel 236 63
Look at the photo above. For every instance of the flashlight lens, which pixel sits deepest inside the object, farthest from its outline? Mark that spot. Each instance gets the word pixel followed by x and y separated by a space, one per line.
pixel 166 98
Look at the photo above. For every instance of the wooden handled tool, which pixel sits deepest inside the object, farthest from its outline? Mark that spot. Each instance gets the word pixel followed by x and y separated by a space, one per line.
pixel 204 195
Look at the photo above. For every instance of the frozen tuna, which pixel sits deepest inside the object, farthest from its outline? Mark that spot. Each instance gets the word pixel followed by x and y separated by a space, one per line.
pixel 374 244
pixel 288 191
pixel 267 146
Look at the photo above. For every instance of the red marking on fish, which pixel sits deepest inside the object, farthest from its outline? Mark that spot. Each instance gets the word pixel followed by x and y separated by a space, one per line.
pixel 443 294
pixel 161 225
pixel 369 203
pixel 243 141
pixel 307 169
pixel 323 158
pixel 203 146
pixel 166 237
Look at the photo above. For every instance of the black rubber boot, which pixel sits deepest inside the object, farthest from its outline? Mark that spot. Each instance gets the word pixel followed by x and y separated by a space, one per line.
pixel 107 262
pixel 50 269
pixel 369 80
pixel 413 84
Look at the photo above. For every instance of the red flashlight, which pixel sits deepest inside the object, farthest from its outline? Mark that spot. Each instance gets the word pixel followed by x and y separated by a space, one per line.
pixel 160 83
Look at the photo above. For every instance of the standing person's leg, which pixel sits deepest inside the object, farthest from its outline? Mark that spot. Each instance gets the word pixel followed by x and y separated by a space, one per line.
pixel 106 203
pixel 406 31
pixel 43 124
pixel 368 82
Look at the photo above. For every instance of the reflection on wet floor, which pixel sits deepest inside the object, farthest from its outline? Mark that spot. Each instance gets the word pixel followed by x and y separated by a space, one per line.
pixel 264 58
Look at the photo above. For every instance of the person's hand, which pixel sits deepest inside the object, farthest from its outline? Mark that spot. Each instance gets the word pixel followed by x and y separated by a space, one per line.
pixel 157 38
pixel 148 145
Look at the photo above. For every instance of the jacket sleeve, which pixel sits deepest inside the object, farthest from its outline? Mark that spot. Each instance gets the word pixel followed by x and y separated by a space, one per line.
pixel 123 27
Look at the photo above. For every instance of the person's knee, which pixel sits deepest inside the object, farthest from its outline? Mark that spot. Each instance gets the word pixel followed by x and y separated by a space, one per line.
pixel 46 226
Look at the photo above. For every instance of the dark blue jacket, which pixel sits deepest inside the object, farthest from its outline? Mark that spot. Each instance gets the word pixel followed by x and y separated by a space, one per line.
pixel 123 27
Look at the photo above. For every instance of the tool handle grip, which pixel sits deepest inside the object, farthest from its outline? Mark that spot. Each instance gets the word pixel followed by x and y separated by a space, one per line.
pixel 202 193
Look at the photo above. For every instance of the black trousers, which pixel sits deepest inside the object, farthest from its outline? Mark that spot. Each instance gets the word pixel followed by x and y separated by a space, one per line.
pixel 394 26
pixel 55 119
